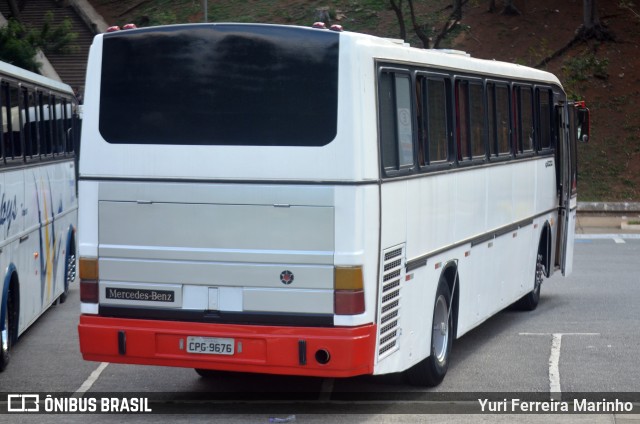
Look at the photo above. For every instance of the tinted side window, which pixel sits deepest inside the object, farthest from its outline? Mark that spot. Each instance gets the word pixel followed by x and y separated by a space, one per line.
pixel 396 121
pixel 470 115
pixel 434 128
pixel 502 119
pixel 526 132
pixel 476 122
pixel 498 119
pixel 545 113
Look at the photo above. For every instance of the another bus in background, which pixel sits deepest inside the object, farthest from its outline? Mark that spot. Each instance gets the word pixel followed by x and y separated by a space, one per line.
pixel 38 195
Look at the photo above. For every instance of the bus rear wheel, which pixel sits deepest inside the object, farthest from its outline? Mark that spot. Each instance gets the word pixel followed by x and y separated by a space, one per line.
pixel 209 374
pixel 5 334
pixel 431 370
pixel 530 301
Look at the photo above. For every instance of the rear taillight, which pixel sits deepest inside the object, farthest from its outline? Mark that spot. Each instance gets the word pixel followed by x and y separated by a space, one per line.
pixel 88 280
pixel 348 290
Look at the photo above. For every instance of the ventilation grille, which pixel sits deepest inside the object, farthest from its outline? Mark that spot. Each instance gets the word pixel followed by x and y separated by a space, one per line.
pixel 389 312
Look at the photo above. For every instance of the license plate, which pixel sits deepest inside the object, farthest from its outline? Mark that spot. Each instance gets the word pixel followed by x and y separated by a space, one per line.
pixel 210 345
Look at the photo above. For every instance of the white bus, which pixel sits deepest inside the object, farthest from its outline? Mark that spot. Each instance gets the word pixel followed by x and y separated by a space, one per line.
pixel 290 200
pixel 39 208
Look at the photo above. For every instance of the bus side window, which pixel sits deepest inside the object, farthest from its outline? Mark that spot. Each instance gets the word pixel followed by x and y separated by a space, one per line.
pixel 433 126
pixel 58 129
pixel 13 142
pixel 31 126
pixel 498 119
pixel 470 120
pixel 545 112
pixel 3 121
pixel 396 121
pixel 526 132
pixel 44 105
pixel 68 127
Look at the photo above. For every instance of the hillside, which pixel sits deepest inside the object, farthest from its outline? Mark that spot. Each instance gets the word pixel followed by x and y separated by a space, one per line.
pixel 605 74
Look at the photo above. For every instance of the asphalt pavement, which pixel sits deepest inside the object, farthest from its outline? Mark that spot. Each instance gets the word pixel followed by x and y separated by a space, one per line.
pixel 594 223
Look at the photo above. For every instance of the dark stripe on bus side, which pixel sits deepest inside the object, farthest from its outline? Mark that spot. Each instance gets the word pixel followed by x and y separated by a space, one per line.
pixel 421 260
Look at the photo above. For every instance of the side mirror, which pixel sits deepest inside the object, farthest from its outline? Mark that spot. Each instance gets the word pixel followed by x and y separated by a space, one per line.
pixel 583 124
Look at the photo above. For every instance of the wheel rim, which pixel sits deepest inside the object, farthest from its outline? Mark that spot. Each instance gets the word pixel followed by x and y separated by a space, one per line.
pixel 440 334
pixel 540 270
pixel 71 269
pixel 5 331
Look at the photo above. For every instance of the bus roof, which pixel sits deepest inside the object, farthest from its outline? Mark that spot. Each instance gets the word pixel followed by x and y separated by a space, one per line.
pixel 32 77
pixel 452 60
pixel 388 49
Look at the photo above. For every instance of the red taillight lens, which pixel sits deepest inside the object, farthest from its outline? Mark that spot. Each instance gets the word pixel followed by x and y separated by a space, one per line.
pixel 88 291
pixel 349 302
pixel 88 280
pixel 348 290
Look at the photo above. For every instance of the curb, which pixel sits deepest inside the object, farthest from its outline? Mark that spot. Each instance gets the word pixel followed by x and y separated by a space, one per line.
pixel 583 236
pixel 609 207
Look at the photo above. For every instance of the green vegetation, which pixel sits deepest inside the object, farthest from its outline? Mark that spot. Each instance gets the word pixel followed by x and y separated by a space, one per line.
pixel 359 14
pixel 578 70
pixel 19 46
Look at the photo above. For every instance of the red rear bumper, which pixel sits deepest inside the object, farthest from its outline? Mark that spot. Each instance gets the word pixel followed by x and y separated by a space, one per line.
pixel 259 349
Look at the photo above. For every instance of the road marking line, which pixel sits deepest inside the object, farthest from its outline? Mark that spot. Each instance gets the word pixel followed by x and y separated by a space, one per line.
pixel 90 380
pixel 618 240
pixel 554 364
pixel 554 359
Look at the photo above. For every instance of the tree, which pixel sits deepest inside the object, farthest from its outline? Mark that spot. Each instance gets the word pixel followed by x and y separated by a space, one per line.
pixel 457 10
pixel 423 30
pixel 55 39
pixel 419 29
pixel 397 8
pixel 19 46
pixel 591 27
pixel 510 8
pixel 590 14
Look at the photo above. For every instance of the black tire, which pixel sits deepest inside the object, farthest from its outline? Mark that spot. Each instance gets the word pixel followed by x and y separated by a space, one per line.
pixel 431 370
pixel 530 301
pixel 208 374
pixel 5 335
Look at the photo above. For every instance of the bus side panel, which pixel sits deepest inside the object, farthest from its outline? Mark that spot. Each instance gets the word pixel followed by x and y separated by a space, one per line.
pixel 50 208
pixel 495 212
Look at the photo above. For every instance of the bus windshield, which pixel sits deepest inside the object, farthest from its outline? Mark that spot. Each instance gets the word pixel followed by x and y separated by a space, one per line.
pixel 220 85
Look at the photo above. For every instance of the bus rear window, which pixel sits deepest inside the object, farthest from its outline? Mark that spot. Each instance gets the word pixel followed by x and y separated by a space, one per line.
pixel 220 85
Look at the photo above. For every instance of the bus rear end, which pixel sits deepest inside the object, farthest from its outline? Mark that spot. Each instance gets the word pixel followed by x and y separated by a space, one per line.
pixel 224 213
